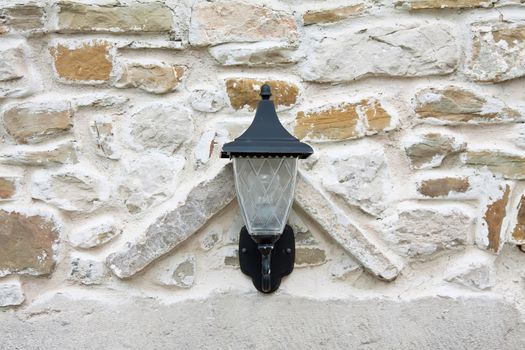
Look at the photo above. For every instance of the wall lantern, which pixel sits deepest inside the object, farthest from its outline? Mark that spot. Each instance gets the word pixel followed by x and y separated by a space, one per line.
pixel 265 168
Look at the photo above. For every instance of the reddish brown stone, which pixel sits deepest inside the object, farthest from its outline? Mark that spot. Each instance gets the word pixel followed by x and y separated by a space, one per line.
pixel 494 218
pixel 442 187
pixel 518 234
pixel 26 244
pixel 7 187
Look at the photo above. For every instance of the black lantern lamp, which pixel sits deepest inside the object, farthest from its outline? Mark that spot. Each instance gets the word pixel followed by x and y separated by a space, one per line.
pixel 265 167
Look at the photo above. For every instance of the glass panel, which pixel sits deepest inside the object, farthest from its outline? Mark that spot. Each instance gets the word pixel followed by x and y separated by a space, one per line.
pixel 265 189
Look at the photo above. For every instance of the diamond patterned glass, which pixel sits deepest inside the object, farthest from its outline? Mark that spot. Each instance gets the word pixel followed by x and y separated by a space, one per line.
pixel 265 191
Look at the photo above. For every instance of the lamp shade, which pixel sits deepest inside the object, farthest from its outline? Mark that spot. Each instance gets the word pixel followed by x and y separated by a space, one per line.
pixel 265 191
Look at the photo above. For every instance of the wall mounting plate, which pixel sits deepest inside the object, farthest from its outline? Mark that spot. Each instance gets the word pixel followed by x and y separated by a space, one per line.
pixel 281 262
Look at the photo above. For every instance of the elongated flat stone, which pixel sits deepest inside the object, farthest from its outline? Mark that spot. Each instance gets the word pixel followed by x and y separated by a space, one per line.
pixel 172 228
pixel 340 227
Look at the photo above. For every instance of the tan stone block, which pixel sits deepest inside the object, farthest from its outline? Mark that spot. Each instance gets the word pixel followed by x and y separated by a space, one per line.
pixel 27 244
pixel 455 105
pixel 33 122
pixel 22 18
pixel 325 16
pixel 510 166
pixel 335 123
pixel 431 149
pixel 444 186
pixel 91 62
pixel 154 78
pixel 378 119
pixel 136 17
pixel 53 155
pixel 343 121
pixel 221 21
pixel 445 4
pixel 245 92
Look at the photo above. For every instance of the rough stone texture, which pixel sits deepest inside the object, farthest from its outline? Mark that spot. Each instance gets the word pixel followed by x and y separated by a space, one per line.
pixel 475 270
pixel 47 155
pixel 11 294
pixel 454 105
pixel 422 232
pixel 345 268
pixel 518 233
pixel 12 63
pixel 361 178
pixel 303 236
pixel 34 122
pixel 72 189
pixel 231 257
pixel 343 121
pixel 205 146
pixel 181 276
pixel 209 241
pixel 443 187
pixel 444 4
pixel 88 63
pixel 95 233
pixel 335 223
pixel 245 92
pixel 430 150
pixel 86 271
pixel 483 322
pixel 498 51
pixel 17 79
pixel 332 15
pixel 161 127
pixel 491 232
pixel 8 187
pixel 400 51
pixel 141 188
pixel 102 131
pixel 137 17
pixel 207 99
pixel 265 53
pixel 235 21
pixel 156 78
pixel 22 18
pixel 27 243
pixel 510 166
pixel 309 256
pixel 172 228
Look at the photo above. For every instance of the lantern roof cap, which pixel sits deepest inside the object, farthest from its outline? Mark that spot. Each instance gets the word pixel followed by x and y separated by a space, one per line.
pixel 266 136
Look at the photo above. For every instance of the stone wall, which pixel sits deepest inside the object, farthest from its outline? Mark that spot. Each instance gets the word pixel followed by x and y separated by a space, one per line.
pixel 118 220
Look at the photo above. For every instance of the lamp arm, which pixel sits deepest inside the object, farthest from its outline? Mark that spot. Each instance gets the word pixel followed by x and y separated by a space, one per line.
pixel 266 270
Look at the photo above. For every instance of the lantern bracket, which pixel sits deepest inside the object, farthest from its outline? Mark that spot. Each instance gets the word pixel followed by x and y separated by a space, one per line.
pixel 267 261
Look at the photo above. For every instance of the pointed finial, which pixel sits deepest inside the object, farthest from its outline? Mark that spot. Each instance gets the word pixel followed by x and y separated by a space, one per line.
pixel 266 92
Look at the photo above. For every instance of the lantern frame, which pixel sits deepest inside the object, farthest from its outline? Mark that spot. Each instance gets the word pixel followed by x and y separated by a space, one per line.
pixel 265 257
